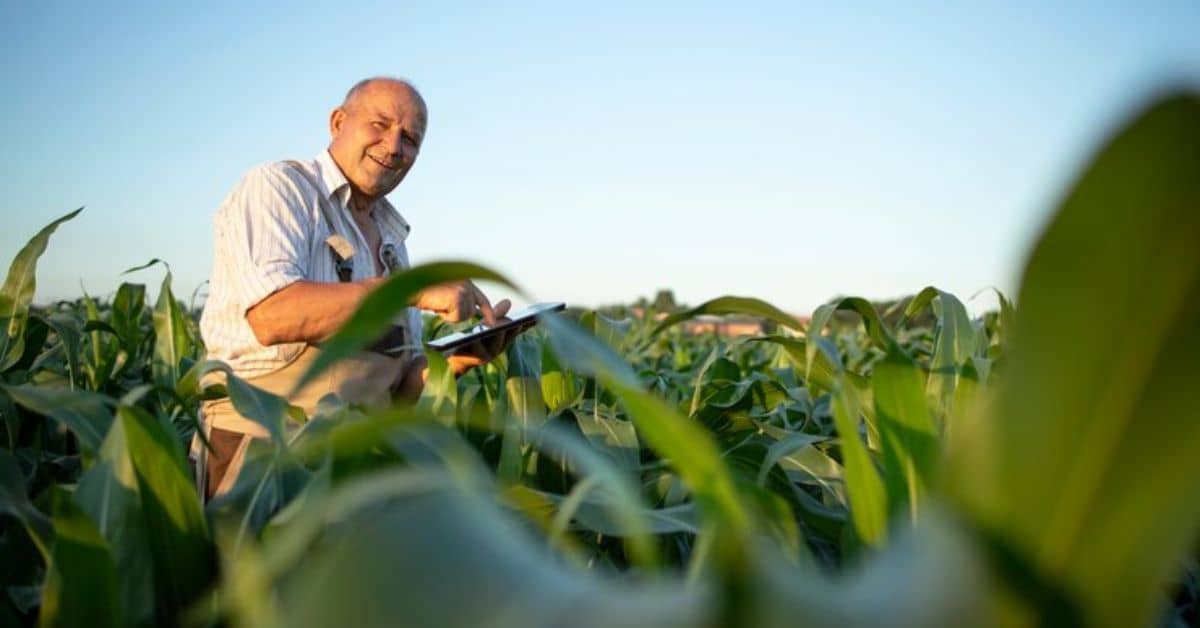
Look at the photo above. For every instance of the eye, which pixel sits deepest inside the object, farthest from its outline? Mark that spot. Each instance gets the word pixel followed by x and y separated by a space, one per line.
pixel 408 139
pixel 379 125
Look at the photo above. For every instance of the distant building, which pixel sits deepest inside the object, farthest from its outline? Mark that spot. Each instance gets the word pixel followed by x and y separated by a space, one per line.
pixel 728 326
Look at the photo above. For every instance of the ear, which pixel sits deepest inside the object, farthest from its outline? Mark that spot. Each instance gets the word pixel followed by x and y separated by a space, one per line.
pixel 336 119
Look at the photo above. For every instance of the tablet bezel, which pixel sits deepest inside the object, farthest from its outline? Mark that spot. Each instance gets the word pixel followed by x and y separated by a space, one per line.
pixel 523 321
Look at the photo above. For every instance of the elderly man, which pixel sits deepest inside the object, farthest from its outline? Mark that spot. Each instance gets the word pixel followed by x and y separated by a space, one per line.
pixel 298 246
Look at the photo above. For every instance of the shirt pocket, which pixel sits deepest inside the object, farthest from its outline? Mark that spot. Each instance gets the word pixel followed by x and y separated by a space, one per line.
pixel 323 265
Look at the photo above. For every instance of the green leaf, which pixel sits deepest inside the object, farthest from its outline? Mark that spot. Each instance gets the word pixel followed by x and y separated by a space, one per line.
pixel 611 331
pixel 142 498
pixel 820 372
pixel 929 576
pixel 184 560
pixel 440 393
pixel 864 489
pixel 32 340
pixel 67 329
pixel 592 510
pixel 559 388
pixel 731 305
pixel 381 306
pixel 524 390
pixel 785 449
pixel 268 410
pixel 443 541
pixel 172 336
pixel 87 414
pixel 17 293
pixel 622 505
pixel 127 311
pixel 911 448
pixel 954 345
pixel 614 437
pixel 685 444
pixel 880 335
pixel 104 357
pixel 15 503
pixel 816 325
pixel 81 585
pixel 1086 462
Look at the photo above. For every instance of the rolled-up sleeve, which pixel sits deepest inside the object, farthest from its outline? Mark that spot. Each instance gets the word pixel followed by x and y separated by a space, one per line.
pixel 266 230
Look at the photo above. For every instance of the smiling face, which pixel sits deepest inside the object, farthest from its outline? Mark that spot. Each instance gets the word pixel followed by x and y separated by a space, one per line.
pixel 376 135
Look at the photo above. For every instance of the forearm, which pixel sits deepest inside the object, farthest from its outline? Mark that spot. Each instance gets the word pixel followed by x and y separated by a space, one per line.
pixel 306 311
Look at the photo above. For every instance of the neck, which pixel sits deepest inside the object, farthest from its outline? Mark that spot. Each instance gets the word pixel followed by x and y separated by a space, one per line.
pixel 360 203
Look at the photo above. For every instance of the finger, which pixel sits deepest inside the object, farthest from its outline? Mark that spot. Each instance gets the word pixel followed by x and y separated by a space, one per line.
pixel 485 308
pixel 460 364
pixel 464 305
pixel 501 308
pixel 466 301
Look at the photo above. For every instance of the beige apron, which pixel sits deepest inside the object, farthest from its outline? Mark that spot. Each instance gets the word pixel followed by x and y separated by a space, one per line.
pixel 366 378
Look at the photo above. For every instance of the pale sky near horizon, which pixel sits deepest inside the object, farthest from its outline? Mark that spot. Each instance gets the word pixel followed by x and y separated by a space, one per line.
pixel 594 154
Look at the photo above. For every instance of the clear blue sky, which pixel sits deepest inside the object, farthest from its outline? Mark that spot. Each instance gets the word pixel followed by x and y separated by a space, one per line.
pixel 593 154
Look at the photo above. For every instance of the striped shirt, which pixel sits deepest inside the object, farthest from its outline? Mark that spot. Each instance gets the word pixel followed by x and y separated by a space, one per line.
pixel 271 232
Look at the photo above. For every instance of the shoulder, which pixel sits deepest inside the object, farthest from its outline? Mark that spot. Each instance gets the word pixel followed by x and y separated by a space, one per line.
pixel 273 188
pixel 392 220
pixel 280 177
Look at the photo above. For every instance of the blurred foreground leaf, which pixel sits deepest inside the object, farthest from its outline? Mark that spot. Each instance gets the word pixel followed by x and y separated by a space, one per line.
pixel 1087 461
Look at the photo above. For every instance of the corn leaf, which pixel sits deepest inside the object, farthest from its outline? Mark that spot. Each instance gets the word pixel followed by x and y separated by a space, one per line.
pixel 81 584
pixel 142 498
pixel 17 293
pixel 87 414
pixel 1086 463
pixel 731 305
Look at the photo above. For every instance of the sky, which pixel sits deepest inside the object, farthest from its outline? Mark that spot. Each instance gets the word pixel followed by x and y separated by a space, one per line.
pixel 592 152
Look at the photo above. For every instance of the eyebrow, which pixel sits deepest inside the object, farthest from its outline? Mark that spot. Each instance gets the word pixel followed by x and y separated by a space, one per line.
pixel 417 127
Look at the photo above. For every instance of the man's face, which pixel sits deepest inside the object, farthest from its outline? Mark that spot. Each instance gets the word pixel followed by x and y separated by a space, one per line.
pixel 376 136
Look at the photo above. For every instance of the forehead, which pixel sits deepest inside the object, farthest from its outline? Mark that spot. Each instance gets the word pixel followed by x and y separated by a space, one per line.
pixel 394 100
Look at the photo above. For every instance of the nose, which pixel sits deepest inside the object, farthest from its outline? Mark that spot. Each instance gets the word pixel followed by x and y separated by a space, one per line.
pixel 393 143
pixel 397 149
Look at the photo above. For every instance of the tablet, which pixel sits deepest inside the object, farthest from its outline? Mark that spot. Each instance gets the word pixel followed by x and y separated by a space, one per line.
pixel 520 321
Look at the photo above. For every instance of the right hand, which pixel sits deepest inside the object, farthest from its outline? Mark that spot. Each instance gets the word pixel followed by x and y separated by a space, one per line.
pixel 459 301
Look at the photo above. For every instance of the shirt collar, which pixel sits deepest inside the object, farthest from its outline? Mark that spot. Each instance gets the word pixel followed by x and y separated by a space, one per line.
pixel 337 189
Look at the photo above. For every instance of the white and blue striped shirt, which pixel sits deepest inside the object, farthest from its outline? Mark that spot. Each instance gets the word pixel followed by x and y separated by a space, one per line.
pixel 270 232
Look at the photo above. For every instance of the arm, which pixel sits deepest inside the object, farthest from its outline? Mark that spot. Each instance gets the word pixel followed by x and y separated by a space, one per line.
pixel 306 311
pixel 264 231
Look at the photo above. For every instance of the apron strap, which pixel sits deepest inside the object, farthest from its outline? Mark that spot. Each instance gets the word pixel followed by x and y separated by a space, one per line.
pixel 341 250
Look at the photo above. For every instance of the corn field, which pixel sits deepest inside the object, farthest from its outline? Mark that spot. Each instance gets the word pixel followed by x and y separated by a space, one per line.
pixel 1038 465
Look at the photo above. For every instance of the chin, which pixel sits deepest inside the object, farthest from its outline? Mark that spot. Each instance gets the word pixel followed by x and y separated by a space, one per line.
pixel 375 189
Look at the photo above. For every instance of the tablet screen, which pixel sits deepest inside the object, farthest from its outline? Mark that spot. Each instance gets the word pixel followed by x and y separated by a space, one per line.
pixel 522 319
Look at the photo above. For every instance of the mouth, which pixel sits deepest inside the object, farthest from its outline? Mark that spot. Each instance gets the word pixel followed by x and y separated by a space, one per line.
pixel 384 164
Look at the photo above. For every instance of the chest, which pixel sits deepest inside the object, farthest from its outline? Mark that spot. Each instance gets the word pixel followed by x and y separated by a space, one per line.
pixel 373 239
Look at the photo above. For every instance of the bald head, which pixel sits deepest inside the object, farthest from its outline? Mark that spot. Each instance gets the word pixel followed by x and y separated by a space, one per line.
pixel 374 83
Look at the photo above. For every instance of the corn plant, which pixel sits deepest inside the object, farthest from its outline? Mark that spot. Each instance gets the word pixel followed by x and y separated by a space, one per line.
pixel 911 466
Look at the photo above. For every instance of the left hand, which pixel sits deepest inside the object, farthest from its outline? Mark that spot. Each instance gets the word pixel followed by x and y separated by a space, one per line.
pixel 460 362
pixel 483 351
